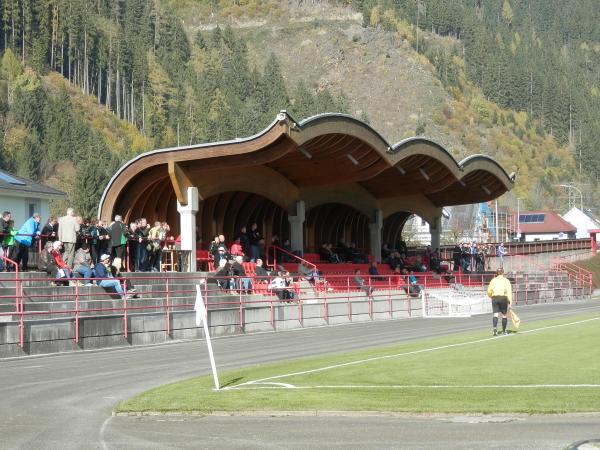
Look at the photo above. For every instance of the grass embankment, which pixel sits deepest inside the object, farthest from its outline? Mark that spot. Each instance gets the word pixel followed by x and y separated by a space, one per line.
pixel 459 378
pixel 593 265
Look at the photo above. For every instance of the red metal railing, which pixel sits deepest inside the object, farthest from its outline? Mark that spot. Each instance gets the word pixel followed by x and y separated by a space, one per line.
pixel 273 250
pixel 390 296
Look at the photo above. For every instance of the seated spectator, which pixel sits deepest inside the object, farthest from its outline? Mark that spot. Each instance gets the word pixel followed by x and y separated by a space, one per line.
pixel 374 273
pixel 46 261
pixel 395 261
pixel 105 278
pixel 361 283
pixel 280 285
pixel 434 262
pixel 418 265
pixel 237 270
pixel 414 289
pixel 115 270
pixel 386 252
pixel 82 264
pixel 260 272
pixel 62 269
pixel 223 273
pixel 356 256
pixel 399 277
pixel 327 254
pixel 237 249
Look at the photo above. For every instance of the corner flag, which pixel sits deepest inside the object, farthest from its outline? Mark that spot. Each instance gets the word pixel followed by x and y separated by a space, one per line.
pixel 200 309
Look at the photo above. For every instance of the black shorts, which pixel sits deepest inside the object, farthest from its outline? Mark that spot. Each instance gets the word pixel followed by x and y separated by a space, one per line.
pixel 500 304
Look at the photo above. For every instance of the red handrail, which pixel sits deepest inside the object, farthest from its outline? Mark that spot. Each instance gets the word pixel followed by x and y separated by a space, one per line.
pixel 279 249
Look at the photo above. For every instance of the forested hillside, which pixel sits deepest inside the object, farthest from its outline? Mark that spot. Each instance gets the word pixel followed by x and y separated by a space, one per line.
pixel 134 60
pixel 538 57
pixel 85 85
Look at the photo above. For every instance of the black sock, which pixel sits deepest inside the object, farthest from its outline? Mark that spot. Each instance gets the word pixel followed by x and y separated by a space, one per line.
pixel 495 322
pixel 504 321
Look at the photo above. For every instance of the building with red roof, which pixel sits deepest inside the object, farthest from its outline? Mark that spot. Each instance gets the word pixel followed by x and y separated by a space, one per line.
pixel 543 226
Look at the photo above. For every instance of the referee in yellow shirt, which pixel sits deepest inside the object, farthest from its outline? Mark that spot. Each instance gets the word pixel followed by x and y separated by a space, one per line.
pixel 500 291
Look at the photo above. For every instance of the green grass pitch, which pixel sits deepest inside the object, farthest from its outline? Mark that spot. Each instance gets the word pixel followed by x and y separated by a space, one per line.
pixel 548 367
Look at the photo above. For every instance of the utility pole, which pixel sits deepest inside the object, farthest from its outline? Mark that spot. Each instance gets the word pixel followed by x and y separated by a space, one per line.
pixel 571 187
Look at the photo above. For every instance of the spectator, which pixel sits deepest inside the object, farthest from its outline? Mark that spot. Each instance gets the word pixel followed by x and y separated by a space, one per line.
pixel 82 264
pixel 62 269
pixel 115 270
pixel 280 285
pixel 223 273
pixel 254 237
pixel 237 270
pixel 500 253
pixel 103 240
pixel 141 232
pixel 133 244
pixel 50 231
pixel 361 283
pixel 156 236
pixel 46 261
pixel 260 271
pixel 414 289
pixel 104 275
pixel 118 237
pixel 418 265
pixel 8 244
pixel 24 240
pixel 67 234
pixel 84 235
pixel 213 250
pixel 244 241
pixel 373 272
pixel 456 253
pixel 4 219
pixel 237 249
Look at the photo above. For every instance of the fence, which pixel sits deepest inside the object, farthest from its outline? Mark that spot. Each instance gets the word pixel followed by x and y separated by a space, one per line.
pixel 328 298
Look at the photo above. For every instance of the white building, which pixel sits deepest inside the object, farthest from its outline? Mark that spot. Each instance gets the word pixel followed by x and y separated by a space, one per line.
pixel 416 229
pixel 582 221
pixel 23 197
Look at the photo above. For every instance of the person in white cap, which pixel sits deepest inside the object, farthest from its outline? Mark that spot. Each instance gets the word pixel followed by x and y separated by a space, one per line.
pixel 105 278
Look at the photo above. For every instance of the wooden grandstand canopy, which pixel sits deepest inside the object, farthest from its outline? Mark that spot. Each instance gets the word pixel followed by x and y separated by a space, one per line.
pixel 321 159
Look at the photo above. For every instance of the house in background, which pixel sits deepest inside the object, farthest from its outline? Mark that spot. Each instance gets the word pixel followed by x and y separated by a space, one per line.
pixel 543 226
pixel 23 197
pixel 582 221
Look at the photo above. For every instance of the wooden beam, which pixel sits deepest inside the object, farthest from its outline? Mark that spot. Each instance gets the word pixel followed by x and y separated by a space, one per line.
pixel 180 181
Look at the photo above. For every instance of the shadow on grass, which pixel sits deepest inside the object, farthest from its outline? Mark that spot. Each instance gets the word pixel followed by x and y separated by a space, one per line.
pixel 231 382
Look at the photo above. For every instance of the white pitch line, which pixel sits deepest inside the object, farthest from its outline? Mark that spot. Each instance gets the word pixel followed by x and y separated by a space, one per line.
pixel 418 386
pixel 414 352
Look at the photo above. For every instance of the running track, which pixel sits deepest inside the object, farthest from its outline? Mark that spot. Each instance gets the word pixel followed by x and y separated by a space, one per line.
pixel 65 401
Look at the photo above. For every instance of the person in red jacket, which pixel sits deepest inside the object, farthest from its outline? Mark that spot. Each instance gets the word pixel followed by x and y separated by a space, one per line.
pixel 63 269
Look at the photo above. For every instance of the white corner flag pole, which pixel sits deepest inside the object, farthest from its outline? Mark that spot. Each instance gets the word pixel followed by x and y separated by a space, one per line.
pixel 200 309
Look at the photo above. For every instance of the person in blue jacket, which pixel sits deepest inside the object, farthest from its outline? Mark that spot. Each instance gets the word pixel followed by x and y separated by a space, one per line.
pixel 24 239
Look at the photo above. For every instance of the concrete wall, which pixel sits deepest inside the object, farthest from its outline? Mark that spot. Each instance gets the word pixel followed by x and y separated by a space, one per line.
pixel 57 334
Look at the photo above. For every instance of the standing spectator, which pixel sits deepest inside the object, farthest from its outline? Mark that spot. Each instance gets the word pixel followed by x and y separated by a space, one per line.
pixel 156 237
pixel 118 237
pixel 142 237
pixel 24 240
pixel 132 246
pixel 103 240
pixel 213 250
pixel 244 241
pixel 254 238
pixel 500 253
pixel 50 231
pixel 8 244
pixel 6 216
pixel 67 234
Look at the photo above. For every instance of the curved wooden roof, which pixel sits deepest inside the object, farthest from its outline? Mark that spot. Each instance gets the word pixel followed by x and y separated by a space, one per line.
pixel 289 157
